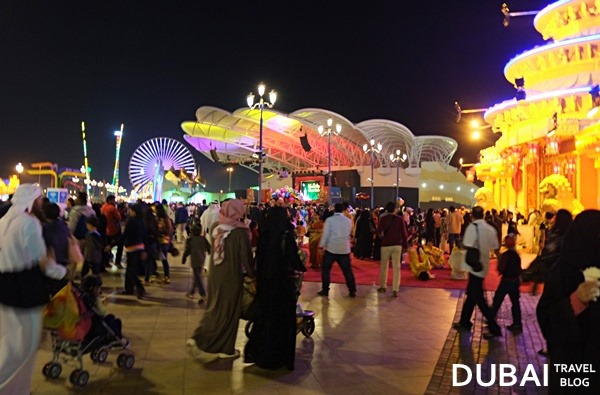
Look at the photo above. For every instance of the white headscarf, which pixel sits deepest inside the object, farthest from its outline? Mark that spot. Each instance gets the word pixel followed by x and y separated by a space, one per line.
pixel 21 202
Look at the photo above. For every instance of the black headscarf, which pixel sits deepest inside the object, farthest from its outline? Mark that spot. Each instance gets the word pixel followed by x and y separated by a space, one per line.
pixel 275 233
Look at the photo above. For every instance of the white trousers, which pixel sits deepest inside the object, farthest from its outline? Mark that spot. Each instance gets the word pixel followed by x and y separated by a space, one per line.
pixel 180 233
pixel 20 332
pixel 395 254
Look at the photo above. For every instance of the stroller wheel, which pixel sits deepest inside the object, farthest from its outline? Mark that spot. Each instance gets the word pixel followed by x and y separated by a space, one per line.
pixel 125 361
pixel 52 370
pixel 248 328
pixel 79 377
pixel 309 327
pixel 102 355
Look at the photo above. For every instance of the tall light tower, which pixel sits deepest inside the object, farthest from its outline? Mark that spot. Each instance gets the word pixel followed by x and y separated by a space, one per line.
pixel 373 149
pixel 397 158
pixel 85 157
pixel 261 105
pixel 327 131
pixel 119 136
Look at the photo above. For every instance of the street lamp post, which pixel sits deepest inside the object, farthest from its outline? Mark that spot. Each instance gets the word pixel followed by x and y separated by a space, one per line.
pixel 397 158
pixel 327 131
pixel 261 105
pixel 19 168
pixel 229 170
pixel 93 183
pixel 373 149
pixel 100 185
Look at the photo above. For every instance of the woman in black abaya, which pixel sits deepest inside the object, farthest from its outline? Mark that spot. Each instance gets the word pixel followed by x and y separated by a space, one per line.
pixel 363 233
pixel 569 311
pixel 272 343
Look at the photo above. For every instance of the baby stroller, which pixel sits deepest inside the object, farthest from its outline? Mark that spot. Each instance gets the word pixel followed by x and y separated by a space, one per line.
pixel 78 328
pixel 305 319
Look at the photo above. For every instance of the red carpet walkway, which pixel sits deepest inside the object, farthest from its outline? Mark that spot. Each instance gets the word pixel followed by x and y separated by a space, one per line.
pixel 366 272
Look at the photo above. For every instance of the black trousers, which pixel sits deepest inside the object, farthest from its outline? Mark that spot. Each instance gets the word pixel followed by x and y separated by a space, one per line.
pixel 132 281
pixel 510 287
pixel 344 261
pixel 475 298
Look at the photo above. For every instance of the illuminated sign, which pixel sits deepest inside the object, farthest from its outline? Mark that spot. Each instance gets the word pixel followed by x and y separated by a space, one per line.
pixel 310 189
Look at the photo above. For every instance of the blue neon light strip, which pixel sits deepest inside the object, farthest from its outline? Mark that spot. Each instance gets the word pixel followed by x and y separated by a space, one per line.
pixel 549 8
pixel 541 96
pixel 559 44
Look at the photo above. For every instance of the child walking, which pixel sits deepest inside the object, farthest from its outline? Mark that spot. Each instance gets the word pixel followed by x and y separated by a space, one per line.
pixel 509 267
pixel 300 233
pixel 196 247
pixel 93 248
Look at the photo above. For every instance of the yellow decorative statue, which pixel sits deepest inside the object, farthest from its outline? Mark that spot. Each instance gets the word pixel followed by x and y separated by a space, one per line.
pixel 557 193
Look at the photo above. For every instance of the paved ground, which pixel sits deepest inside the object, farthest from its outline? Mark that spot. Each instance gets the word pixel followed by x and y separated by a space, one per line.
pixel 470 348
pixel 371 344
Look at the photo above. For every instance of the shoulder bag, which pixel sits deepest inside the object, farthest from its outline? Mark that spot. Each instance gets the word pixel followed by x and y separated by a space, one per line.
pixel 24 289
pixel 473 255
pixel 75 255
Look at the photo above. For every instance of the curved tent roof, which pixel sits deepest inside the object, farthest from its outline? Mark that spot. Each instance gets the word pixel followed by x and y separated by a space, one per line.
pixel 235 137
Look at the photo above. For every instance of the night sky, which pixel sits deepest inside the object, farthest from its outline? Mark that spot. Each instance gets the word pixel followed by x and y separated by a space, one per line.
pixel 151 64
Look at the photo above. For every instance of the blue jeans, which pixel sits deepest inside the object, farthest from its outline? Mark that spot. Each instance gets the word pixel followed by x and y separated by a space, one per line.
pixel 164 248
pixel 344 261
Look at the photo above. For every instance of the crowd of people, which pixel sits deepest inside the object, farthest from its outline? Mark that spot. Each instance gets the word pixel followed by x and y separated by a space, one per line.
pixel 233 241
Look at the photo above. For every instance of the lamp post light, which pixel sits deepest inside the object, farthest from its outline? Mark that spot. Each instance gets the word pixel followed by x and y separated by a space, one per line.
pixel 327 131
pixel 19 168
pixel 100 185
pixel 229 170
pixel 397 158
pixel 87 183
pixel 86 173
pixel 373 149
pixel 261 105
pixel 93 183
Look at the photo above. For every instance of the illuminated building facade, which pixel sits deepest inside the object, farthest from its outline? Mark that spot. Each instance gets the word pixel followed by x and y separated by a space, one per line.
pixel 551 128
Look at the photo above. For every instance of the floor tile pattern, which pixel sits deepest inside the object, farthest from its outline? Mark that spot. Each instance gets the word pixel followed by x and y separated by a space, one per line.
pixel 371 344
pixel 469 348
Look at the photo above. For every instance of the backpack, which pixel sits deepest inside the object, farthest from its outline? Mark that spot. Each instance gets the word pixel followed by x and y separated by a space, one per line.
pixel 81 228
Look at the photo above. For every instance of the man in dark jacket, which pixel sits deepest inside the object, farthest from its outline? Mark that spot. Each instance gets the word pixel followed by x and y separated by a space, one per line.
pixel 181 220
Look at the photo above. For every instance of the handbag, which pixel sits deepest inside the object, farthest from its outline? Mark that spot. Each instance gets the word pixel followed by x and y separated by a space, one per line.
pixel 75 255
pixel 249 298
pixel 473 255
pixel 173 250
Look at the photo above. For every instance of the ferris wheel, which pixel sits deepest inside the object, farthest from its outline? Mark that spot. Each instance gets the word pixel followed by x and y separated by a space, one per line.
pixel 166 152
